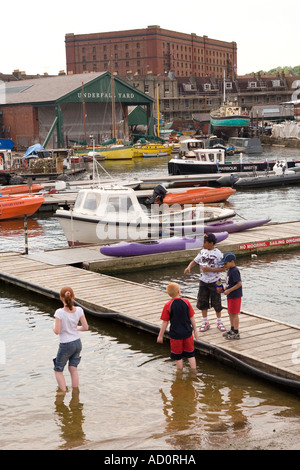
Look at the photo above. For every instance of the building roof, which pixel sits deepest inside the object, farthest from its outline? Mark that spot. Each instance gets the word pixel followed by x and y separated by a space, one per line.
pixel 61 88
pixel 41 90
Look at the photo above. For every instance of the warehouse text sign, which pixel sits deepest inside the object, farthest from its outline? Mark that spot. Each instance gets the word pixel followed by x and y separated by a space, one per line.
pixel 281 241
pixel 106 95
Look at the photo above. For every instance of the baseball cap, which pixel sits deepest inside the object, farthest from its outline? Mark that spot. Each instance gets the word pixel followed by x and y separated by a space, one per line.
pixel 229 256
pixel 210 237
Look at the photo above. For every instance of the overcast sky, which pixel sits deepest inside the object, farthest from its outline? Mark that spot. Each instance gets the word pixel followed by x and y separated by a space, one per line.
pixel 267 32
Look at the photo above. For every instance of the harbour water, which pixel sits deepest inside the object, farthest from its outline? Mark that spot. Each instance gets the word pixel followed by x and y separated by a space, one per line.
pixel 131 396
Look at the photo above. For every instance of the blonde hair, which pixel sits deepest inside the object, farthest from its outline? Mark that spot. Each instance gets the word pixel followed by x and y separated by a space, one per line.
pixel 67 295
pixel 173 289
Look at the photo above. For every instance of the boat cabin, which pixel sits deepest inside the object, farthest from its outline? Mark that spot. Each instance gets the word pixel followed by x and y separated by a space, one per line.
pixel 188 147
pixel 213 156
pixel 113 202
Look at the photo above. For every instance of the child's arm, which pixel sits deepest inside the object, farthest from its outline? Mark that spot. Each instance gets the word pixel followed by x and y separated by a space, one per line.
pixel 193 322
pixel 57 326
pixel 84 324
pixel 189 267
pixel 235 287
pixel 207 269
pixel 163 328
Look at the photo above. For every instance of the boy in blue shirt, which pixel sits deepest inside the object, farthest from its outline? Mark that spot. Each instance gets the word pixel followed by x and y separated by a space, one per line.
pixel 233 290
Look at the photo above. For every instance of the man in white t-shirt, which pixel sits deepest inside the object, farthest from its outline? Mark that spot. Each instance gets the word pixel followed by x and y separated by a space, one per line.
pixel 208 259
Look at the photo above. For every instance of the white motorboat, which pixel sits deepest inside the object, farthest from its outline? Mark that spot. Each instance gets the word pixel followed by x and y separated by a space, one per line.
pixel 113 213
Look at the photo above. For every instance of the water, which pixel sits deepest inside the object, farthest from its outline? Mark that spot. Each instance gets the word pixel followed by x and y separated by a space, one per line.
pixel 130 394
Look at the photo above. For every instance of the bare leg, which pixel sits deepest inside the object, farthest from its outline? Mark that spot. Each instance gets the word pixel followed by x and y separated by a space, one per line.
pixel 192 361
pixel 74 376
pixel 60 381
pixel 234 320
pixel 179 364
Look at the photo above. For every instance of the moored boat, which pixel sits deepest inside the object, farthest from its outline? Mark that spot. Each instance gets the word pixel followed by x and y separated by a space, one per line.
pixel 12 207
pixel 229 118
pixel 203 195
pixel 209 161
pixel 126 249
pixel 114 213
pixel 280 176
pixel 118 152
pixel 249 145
pixel 20 189
pixel 150 149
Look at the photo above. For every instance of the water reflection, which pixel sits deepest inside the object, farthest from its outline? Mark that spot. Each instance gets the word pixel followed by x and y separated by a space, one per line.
pixel 70 419
pixel 131 396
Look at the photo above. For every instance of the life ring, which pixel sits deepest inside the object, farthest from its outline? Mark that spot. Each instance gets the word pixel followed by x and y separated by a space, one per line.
pixel 25 163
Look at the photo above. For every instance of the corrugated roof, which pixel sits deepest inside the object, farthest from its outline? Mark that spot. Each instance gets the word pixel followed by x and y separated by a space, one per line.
pixel 43 90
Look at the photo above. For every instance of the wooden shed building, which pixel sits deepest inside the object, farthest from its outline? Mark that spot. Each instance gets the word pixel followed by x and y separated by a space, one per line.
pixel 68 109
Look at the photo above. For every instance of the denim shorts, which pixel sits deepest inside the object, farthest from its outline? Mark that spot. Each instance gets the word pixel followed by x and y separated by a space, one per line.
pixel 68 352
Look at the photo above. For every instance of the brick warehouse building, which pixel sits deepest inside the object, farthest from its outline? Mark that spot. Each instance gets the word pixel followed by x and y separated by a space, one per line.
pixel 152 49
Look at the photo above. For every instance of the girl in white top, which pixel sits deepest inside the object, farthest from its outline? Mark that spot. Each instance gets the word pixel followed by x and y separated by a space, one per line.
pixel 66 326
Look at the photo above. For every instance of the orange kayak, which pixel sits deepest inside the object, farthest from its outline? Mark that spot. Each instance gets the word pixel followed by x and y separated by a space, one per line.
pixel 20 189
pixel 12 207
pixel 197 195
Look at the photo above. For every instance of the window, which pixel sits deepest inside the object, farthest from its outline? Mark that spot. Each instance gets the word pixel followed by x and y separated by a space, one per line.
pixel 91 201
pixel 117 204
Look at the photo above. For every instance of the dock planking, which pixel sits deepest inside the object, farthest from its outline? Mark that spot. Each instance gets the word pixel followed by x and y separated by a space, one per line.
pixel 267 345
pixel 265 239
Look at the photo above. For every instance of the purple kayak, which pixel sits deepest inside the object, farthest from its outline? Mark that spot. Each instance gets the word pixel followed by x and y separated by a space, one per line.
pixel 156 246
pixel 229 226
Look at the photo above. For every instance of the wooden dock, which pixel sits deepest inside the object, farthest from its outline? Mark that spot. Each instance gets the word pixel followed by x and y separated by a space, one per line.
pixel 267 348
pixel 266 239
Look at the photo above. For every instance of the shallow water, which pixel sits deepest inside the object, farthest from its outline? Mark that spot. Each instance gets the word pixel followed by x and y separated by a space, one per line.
pixel 130 394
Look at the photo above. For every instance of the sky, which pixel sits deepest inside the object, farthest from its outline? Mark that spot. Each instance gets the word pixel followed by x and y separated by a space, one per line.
pixel 267 32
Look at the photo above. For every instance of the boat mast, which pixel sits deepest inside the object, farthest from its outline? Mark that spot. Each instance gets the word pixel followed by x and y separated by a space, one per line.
pixel 224 88
pixel 157 106
pixel 84 114
pixel 113 107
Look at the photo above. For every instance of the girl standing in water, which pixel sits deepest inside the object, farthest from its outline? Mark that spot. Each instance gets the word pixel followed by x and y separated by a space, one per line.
pixel 67 326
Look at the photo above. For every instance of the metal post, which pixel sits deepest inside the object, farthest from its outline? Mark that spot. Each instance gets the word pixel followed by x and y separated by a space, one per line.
pixel 26 234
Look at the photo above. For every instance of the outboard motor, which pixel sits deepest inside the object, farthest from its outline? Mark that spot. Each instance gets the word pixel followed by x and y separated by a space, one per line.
pixel 159 193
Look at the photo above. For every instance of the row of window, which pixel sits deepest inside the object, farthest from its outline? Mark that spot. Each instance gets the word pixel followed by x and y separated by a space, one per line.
pixel 195 103
pixel 84 49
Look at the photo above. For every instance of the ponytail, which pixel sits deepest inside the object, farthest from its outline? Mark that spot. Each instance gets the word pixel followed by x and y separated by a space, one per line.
pixel 67 295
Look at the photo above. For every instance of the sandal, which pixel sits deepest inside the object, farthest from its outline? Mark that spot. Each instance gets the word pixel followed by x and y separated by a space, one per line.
pixel 205 326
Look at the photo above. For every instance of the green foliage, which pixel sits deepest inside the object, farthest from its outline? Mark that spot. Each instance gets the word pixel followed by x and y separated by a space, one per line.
pixel 287 70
